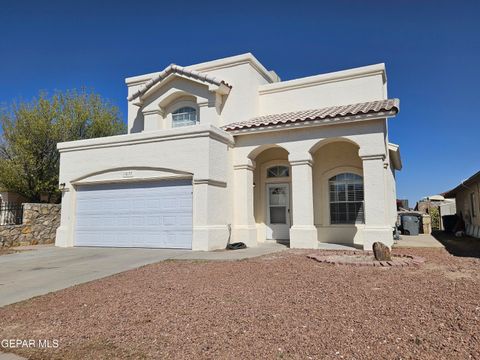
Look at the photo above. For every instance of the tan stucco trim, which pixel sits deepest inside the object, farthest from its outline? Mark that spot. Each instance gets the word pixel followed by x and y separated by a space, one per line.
pixel 247 58
pixel 130 174
pixel 148 137
pixel 301 162
pixel 395 158
pixel 210 182
pixel 370 70
pixel 231 61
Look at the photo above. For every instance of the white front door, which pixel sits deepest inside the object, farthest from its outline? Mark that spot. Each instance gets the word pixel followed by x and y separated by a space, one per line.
pixel 278 211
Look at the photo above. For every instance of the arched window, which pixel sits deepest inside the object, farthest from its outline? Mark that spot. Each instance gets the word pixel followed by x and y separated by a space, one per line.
pixel 278 171
pixel 346 199
pixel 184 116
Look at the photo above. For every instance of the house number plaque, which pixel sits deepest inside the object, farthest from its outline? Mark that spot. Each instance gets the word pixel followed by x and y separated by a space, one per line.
pixel 127 174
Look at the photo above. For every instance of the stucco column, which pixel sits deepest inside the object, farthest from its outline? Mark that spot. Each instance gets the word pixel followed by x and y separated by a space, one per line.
pixel 303 233
pixel 210 230
pixel 244 228
pixel 64 235
pixel 377 227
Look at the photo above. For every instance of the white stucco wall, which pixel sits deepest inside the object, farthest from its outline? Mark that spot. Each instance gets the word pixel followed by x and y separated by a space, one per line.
pixel 225 166
pixel 365 140
pixel 243 73
pixel 339 88
pixel 243 102
pixel 196 152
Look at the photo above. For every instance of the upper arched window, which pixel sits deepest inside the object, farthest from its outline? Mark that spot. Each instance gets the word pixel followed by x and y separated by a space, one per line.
pixel 184 116
pixel 278 171
pixel 346 199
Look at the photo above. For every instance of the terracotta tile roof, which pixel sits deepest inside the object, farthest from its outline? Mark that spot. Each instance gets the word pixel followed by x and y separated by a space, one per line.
pixel 171 69
pixel 381 107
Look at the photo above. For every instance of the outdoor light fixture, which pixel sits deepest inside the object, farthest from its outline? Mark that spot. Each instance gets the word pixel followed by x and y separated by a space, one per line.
pixel 61 187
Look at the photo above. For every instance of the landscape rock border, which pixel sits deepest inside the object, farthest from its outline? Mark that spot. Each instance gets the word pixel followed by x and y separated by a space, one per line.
pixel 339 259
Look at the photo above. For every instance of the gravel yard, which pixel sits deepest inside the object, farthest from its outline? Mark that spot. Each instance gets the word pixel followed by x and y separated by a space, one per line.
pixel 276 306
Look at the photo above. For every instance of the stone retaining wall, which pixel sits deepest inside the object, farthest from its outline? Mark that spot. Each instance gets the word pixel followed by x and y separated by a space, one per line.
pixel 40 223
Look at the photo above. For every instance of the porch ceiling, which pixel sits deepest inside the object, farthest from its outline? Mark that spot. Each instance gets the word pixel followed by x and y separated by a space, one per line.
pixel 380 108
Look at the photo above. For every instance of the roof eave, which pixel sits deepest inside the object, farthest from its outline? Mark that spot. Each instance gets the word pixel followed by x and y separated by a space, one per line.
pixel 342 75
pixel 175 70
pixel 234 61
pixel 463 185
pixel 312 123
pixel 395 157
pixel 221 89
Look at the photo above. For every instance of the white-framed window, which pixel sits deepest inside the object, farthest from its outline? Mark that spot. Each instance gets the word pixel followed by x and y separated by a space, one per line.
pixel 278 171
pixel 184 116
pixel 346 199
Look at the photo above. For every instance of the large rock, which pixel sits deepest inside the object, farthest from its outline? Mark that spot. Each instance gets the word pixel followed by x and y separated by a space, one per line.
pixel 381 252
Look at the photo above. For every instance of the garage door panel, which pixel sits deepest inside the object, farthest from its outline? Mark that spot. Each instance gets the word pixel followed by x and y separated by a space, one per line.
pixel 178 240
pixel 135 215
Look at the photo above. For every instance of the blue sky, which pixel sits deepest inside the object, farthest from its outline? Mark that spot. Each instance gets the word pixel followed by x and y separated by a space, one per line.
pixel 431 50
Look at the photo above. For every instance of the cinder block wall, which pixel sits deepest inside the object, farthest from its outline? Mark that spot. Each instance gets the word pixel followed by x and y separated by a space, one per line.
pixel 40 223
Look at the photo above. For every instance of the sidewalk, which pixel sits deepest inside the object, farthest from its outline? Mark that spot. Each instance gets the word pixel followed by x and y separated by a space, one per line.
pixel 422 240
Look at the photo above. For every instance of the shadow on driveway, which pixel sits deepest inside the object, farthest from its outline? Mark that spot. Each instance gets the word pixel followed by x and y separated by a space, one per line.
pixel 464 246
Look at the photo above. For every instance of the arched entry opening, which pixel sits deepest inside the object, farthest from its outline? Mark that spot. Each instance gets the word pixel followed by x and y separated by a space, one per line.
pixel 338 197
pixel 272 194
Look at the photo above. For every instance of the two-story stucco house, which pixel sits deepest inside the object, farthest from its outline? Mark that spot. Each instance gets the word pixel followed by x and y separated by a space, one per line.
pixel 225 149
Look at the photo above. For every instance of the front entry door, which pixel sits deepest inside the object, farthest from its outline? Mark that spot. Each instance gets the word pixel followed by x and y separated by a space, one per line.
pixel 278 211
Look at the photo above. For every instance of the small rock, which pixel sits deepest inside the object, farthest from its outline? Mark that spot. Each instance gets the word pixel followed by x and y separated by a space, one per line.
pixel 381 252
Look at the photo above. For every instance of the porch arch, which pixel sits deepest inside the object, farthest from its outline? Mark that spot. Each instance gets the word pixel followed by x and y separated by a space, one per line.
pixel 328 141
pixel 254 153
pixel 332 157
pixel 266 157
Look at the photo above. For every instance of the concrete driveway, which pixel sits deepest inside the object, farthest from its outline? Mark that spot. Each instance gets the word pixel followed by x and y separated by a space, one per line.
pixel 45 269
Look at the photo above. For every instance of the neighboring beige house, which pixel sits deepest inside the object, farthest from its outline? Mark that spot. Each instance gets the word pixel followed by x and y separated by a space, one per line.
pixel 467 196
pixel 225 150
pixel 445 207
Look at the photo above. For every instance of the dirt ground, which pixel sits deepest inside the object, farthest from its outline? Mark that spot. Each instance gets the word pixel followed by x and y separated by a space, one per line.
pixel 282 306
pixel 6 251
pixel 459 246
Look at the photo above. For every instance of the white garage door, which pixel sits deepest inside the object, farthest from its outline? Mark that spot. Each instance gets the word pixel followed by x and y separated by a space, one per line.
pixel 153 214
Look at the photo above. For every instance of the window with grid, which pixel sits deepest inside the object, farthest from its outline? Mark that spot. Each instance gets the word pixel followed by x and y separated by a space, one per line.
pixel 184 116
pixel 346 199
pixel 278 171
